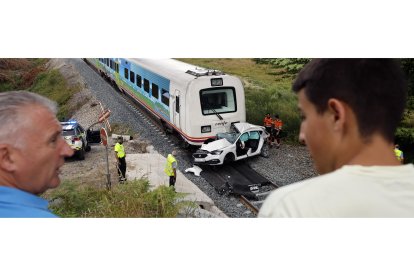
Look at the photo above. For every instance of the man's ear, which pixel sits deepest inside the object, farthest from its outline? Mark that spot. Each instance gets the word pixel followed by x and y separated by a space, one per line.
pixel 6 158
pixel 338 113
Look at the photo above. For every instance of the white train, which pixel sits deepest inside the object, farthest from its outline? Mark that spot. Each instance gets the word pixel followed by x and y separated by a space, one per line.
pixel 195 102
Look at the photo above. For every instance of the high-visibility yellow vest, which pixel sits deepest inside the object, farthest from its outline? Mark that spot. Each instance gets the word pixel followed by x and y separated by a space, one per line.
pixel 120 152
pixel 398 154
pixel 168 167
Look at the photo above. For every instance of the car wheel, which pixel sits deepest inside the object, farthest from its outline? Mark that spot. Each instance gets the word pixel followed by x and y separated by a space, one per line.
pixel 264 152
pixel 229 158
pixel 81 154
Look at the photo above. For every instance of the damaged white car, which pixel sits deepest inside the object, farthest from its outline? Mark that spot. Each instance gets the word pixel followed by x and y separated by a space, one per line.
pixel 245 140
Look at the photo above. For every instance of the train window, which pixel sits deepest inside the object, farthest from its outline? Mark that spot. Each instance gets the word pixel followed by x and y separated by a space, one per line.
pixel 146 85
pixel 111 64
pixel 165 97
pixel 132 76
pixel 139 81
pixel 177 104
pixel 218 100
pixel 117 67
pixel 126 73
pixel 154 90
pixel 107 62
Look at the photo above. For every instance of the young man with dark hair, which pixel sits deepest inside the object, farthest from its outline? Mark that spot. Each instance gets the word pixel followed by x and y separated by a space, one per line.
pixel 351 109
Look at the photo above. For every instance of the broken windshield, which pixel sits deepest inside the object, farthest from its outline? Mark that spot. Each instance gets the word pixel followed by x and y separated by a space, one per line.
pixel 229 136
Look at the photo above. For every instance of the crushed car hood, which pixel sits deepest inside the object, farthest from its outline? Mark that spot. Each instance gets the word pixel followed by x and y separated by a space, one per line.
pixel 215 145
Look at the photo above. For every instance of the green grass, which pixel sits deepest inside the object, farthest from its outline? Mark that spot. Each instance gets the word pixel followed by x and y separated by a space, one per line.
pixel 133 199
pixel 54 86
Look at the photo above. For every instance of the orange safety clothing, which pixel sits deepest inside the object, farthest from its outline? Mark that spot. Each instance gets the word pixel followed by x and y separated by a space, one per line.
pixel 278 124
pixel 268 121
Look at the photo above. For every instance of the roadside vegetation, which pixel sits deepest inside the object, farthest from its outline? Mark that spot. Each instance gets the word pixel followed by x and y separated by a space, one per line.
pixel 54 86
pixel 133 199
pixel 31 74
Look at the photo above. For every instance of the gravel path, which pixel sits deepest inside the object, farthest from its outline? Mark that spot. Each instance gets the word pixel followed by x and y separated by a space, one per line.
pixel 284 166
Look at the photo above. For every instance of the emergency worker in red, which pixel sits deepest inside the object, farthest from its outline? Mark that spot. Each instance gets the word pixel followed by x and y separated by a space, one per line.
pixel 277 130
pixel 268 122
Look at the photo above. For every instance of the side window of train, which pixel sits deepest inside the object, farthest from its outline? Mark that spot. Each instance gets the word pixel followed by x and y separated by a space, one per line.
pixel 117 67
pixel 154 90
pixel 165 97
pixel 126 73
pixel 146 85
pixel 139 81
pixel 177 104
pixel 132 76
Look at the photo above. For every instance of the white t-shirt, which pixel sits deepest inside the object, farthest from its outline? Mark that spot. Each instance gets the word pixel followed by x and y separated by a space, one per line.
pixel 351 191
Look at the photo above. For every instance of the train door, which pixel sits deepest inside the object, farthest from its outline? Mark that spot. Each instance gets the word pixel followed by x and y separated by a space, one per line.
pixel 176 107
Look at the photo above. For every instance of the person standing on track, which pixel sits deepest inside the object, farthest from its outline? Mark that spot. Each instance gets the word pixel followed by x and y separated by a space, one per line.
pixel 351 109
pixel 120 156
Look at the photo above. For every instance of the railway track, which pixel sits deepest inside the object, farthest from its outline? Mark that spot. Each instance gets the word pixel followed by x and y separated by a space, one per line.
pixel 240 180
pixel 236 180
pixel 254 205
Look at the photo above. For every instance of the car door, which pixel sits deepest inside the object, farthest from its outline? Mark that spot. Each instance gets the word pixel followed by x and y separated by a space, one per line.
pixel 241 147
pixel 93 135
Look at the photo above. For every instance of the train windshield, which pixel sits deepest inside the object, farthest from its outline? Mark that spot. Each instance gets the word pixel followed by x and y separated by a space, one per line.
pixel 218 100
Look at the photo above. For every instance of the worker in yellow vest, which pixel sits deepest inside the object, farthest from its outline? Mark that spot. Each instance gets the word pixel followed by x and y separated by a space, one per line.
pixel 398 153
pixel 120 157
pixel 171 168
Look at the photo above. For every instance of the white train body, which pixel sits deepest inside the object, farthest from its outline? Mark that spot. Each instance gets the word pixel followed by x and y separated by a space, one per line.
pixel 195 102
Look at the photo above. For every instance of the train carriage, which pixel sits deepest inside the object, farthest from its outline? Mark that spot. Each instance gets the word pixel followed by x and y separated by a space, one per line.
pixel 195 102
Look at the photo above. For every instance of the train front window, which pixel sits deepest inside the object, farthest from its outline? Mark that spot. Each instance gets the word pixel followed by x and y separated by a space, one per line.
pixel 218 100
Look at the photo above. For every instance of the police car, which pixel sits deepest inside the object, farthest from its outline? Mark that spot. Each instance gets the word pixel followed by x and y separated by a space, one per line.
pixel 76 137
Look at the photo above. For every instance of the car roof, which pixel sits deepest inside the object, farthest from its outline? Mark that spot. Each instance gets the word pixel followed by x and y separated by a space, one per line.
pixel 243 127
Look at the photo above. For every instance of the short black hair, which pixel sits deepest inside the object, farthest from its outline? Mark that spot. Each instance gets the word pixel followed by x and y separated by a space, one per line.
pixel 375 89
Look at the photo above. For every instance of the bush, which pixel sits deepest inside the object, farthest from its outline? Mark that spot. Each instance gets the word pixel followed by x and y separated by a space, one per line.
pixel 277 99
pixel 133 199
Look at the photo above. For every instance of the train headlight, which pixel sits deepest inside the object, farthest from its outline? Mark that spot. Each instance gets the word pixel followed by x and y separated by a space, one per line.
pixel 217 82
pixel 205 129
